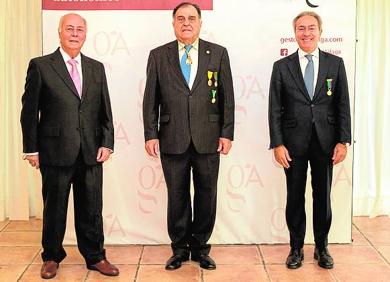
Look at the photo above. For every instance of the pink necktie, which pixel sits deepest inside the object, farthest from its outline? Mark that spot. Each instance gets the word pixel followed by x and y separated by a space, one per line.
pixel 74 74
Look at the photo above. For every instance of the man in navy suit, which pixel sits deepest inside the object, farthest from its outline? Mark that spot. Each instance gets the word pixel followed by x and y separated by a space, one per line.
pixel 309 121
pixel 68 134
pixel 188 112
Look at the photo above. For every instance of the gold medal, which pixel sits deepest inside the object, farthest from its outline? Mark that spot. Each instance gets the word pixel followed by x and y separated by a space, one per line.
pixel 329 93
pixel 216 79
pixel 187 49
pixel 213 100
pixel 209 76
pixel 188 60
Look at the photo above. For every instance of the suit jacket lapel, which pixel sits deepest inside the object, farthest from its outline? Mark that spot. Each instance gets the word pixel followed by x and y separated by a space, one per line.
pixel 173 57
pixel 203 60
pixel 58 64
pixel 87 72
pixel 296 72
pixel 322 72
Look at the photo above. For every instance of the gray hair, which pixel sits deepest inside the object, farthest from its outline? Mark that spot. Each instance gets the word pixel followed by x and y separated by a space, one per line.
pixel 63 18
pixel 308 13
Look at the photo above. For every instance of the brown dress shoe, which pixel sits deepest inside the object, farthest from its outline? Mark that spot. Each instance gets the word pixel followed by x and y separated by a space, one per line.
pixel 49 269
pixel 105 268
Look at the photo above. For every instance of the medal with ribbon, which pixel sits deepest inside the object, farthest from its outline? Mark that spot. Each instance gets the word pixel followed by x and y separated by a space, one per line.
pixel 329 86
pixel 189 59
pixel 216 79
pixel 213 94
pixel 209 76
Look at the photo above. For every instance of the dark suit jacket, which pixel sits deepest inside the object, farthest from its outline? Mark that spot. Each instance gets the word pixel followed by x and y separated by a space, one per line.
pixel 55 122
pixel 292 112
pixel 175 114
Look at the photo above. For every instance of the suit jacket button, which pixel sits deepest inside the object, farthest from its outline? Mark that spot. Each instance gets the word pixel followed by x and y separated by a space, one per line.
pixel 311 105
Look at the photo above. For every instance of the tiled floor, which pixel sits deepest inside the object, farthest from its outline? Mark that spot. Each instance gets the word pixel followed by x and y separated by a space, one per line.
pixel 366 259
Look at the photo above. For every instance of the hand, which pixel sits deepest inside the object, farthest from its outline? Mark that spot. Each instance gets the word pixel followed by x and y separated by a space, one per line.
pixel 33 160
pixel 339 153
pixel 152 147
pixel 103 154
pixel 224 145
pixel 282 156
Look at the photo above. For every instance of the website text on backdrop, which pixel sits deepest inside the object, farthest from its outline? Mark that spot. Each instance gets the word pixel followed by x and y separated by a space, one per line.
pixel 68 134
pixel 188 112
pixel 309 121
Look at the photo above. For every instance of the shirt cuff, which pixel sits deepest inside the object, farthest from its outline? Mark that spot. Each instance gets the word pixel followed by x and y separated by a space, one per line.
pixel 29 154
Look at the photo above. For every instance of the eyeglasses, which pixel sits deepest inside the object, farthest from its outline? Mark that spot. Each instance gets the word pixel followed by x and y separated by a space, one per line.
pixel 72 30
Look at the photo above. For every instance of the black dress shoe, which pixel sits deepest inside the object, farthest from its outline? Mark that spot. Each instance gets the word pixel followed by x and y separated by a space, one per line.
pixel 175 261
pixel 324 258
pixel 295 258
pixel 205 261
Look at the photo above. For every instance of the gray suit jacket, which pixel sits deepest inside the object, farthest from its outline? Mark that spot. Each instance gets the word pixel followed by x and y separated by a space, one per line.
pixel 175 114
pixel 55 121
pixel 292 112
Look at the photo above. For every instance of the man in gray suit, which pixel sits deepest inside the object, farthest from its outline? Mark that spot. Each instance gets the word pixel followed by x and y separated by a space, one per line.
pixel 309 121
pixel 188 112
pixel 68 133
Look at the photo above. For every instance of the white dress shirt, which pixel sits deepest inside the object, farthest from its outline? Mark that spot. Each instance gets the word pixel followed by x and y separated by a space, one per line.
pixel 194 54
pixel 303 63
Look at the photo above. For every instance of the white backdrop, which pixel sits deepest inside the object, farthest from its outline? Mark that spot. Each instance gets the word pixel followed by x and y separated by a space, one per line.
pixel 251 191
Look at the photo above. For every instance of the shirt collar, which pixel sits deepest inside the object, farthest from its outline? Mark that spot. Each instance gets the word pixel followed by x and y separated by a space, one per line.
pixel 195 45
pixel 66 57
pixel 315 53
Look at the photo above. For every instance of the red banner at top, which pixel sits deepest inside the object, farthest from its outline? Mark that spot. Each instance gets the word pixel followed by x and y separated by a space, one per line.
pixel 119 4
